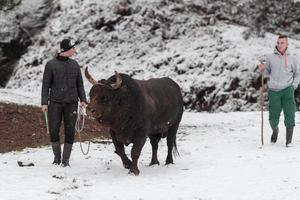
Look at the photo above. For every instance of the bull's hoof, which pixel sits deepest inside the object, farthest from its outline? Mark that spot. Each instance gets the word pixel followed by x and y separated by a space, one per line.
pixel 127 164
pixel 134 170
pixel 154 162
pixel 169 161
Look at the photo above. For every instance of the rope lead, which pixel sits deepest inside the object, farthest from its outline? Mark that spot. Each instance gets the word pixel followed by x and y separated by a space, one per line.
pixel 79 128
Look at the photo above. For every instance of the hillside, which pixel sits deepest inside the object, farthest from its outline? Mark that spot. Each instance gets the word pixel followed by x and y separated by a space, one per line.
pixel 210 48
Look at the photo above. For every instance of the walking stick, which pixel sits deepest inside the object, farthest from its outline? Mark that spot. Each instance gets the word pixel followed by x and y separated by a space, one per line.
pixel 262 107
pixel 46 119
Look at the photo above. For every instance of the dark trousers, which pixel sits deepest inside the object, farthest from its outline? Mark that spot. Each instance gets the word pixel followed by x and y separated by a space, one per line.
pixel 67 112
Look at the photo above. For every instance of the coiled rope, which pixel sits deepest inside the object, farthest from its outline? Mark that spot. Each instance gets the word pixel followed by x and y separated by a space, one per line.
pixel 79 127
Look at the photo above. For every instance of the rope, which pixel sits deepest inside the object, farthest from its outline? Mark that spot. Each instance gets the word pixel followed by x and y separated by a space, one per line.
pixel 79 128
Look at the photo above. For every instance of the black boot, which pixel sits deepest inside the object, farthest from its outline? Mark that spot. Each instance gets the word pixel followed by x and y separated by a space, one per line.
pixel 289 136
pixel 274 135
pixel 66 154
pixel 57 153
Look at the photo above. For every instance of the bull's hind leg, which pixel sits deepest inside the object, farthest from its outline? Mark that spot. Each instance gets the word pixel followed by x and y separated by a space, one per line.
pixel 171 142
pixel 121 151
pixel 154 139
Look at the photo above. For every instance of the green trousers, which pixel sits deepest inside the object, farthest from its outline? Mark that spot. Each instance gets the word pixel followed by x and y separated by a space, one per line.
pixel 282 100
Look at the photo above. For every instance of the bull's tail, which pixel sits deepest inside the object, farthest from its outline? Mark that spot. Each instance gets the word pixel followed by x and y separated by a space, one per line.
pixel 175 150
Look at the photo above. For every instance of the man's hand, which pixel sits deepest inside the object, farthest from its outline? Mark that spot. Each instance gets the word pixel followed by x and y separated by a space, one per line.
pixel 44 108
pixel 261 67
pixel 83 104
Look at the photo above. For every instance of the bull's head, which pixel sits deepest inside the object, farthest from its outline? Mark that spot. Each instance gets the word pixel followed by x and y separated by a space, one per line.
pixel 105 98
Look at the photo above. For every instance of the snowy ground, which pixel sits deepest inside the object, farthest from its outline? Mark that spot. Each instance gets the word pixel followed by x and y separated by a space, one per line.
pixel 221 158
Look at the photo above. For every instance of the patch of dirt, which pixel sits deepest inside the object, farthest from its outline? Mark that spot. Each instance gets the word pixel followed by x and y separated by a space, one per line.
pixel 24 126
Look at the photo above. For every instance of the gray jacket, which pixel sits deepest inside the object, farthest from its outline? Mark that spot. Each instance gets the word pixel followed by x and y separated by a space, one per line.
pixel 283 71
pixel 62 81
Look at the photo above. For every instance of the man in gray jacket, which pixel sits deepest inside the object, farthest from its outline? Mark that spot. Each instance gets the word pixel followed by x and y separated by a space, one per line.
pixel 284 76
pixel 62 88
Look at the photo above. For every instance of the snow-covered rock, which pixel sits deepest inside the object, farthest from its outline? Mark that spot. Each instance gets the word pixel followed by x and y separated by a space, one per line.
pixel 18 24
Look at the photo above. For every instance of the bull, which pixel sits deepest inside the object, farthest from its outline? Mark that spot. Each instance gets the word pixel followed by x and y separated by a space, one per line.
pixel 134 110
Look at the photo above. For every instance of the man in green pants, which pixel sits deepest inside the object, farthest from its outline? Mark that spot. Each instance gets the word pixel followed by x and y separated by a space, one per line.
pixel 284 76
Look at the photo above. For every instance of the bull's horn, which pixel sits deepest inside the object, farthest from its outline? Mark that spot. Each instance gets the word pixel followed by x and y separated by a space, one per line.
pixel 89 77
pixel 118 82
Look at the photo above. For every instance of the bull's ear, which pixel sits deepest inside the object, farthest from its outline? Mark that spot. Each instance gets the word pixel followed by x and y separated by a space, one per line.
pixel 118 82
pixel 89 77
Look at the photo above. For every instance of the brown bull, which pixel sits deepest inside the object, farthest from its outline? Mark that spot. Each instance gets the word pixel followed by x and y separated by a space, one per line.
pixel 137 109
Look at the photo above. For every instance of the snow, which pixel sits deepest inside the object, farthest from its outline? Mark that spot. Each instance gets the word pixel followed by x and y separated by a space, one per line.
pixel 221 157
pixel 18 96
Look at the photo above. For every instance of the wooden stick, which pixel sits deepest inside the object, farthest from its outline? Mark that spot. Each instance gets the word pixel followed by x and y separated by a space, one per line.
pixel 262 107
pixel 46 120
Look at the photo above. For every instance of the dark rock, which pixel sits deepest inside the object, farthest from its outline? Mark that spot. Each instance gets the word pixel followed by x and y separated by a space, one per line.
pixel 123 10
pixel 201 103
pixel 234 84
pixel 25 164
pixel 99 23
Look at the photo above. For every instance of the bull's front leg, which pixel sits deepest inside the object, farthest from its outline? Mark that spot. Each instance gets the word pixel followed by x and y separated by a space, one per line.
pixel 135 154
pixel 120 151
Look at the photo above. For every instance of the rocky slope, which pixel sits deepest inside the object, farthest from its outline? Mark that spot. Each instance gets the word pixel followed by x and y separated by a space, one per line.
pixel 210 48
